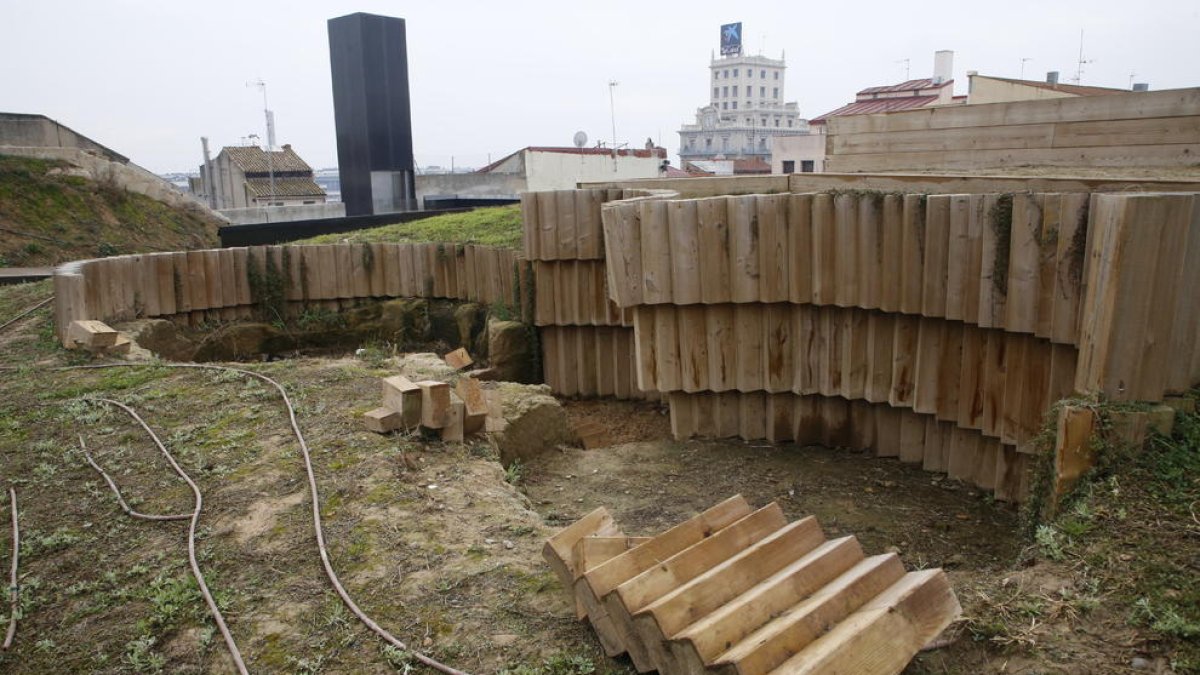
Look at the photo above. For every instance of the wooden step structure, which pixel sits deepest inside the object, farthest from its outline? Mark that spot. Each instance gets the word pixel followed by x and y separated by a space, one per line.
pixel 741 591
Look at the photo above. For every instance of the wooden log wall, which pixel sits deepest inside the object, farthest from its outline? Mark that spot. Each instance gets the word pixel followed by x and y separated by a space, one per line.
pixel 226 284
pixel 835 422
pixel 1013 262
pixel 586 340
pixel 1160 128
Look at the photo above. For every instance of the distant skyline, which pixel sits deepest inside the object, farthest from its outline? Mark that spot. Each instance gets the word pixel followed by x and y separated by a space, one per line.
pixel 148 79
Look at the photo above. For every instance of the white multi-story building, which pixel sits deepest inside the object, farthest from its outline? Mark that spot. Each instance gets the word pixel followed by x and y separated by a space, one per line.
pixel 745 110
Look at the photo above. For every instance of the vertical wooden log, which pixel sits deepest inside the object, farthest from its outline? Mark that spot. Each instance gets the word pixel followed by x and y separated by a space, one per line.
pixel 547 222
pixel 198 280
pixel 933 458
pixel 936 249
pixel 800 251
pixel 904 361
pixel 348 267
pixel 1023 265
pixel 824 251
pixel 846 240
pixel 972 378
pixel 995 361
pixel 164 267
pixel 912 437
pixel 887 431
pixel 778 351
pixel 530 226
pixel 713 232
pixel 773 247
pixel 958 256
pixel 912 263
pixel 881 334
pixel 964 446
pixel 605 358
pixel 693 340
pixel 685 251
pixel 949 372
pixel 994 260
pixel 1047 242
pixel 360 270
pixel 871 253
pixel 655 244
pixel 722 348
pixel 744 251
pixel 862 425
pixel 810 343
pixel 855 356
pixel 1069 259
pixel 890 272
pixel 752 415
pixel 666 339
pixel 973 275
pixel 622 225
pixel 929 353
pixel 1035 401
pixel 749 330
pixel 624 364
pixel 835 416
pixel 181 281
pixel 588 228
pixel 829 359
pixel 545 312
pixel 565 232
pixel 779 418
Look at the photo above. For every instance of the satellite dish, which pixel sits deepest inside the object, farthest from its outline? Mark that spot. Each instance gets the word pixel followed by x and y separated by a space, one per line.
pixel 580 139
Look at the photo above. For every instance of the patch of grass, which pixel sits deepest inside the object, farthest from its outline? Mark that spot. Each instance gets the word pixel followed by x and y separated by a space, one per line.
pixel 492 226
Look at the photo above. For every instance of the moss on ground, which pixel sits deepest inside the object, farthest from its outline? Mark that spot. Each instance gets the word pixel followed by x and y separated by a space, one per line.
pixel 492 226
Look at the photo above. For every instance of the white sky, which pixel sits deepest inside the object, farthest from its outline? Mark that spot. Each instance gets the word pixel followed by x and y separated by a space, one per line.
pixel 148 78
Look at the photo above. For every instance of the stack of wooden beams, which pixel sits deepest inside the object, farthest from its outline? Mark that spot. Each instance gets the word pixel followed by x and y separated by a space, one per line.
pixel 453 413
pixel 587 342
pixel 737 590
pixel 97 338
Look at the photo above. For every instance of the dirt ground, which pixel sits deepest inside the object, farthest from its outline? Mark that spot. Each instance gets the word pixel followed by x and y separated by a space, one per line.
pixel 437 542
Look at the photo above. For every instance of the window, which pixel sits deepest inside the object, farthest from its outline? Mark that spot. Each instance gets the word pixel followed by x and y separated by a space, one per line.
pixel 762 144
pixel 749 72
pixel 735 72
pixel 735 105
pixel 762 91
pixel 789 166
pixel 716 74
pixel 749 90
pixel 763 74
pixel 776 121
pixel 724 105
pixel 806 166
pixel 765 122
pixel 725 143
pixel 716 92
pixel 776 94
pixel 727 73
pixel 777 74
pixel 789 124
pixel 708 143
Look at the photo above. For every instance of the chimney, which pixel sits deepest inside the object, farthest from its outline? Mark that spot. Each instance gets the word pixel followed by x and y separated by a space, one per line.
pixel 943 66
pixel 1052 77
pixel 1141 86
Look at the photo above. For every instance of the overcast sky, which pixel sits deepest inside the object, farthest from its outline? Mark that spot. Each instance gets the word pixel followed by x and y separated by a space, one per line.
pixel 148 78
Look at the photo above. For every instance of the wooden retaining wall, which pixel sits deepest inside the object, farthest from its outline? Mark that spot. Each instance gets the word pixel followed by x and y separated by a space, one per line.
pixel 1160 128
pixel 967 316
pixel 586 340
pixel 226 284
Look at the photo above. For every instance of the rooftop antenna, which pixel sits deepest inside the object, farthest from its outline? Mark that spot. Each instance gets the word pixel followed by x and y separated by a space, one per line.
pixel 907 63
pixel 1081 63
pixel 1023 60
pixel 580 139
pixel 1132 74
pixel 262 86
pixel 612 111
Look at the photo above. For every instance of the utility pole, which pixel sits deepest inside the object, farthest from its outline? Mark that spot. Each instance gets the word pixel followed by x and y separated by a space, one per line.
pixel 270 135
pixel 612 112
pixel 1081 63
pixel 1023 60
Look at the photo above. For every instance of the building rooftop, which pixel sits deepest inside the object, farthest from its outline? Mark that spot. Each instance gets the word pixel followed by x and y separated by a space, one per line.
pixel 877 105
pixel 253 159
pixel 284 187
pixel 1076 89
pixel 909 85
pixel 628 152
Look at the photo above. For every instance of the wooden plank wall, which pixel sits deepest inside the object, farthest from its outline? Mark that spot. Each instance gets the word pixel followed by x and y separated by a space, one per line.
pixel 1159 128
pixel 227 284
pixel 1005 261
pixel 586 340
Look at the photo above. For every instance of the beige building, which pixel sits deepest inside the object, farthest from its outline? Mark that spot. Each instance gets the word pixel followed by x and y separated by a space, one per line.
pixel 798 154
pixel 988 89
pixel 247 176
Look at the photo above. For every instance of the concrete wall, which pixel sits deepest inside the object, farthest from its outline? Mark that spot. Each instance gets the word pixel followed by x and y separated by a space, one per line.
pixel 987 90
pixel 39 131
pixel 283 214
pixel 470 185
pixel 561 171
pixel 798 149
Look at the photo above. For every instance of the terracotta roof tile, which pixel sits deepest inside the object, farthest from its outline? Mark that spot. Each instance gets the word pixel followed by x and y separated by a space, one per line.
pixel 253 159
pixel 877 105
pixel 285 187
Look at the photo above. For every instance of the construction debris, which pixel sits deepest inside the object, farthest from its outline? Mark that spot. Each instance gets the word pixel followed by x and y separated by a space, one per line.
pixel 737 590
pixel 431 404
pixel 593 435
pixel 459 359
pixel 96 337
pixel 383 420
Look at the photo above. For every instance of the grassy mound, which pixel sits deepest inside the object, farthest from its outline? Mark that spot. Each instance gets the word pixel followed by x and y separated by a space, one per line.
pixel 47 217
pixel 492 226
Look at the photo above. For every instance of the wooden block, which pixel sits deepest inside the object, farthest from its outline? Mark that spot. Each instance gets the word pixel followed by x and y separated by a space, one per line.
pixel 891 279
pixel 704 640
pixel 846 241
pixel 588 229
pixel 743 249
pixel 452 427
pixel 530 229
pixel 835 418
pixel 597 548
pixel 435 403
pixel 1074 452
pixel 684 242
pixel 935 282
pixel 771 645
pixel 904 358
pixel 934 458
pixel 799 243
pixel 929 364
pixel 779 421
pixel 383 420
pixel 547 222
pixel 748 331
pixel 885 633
pixel 635 594
pixel 713 233
pixel 824 251
pixel 593 435
pixel 993 273
pixel 994 363
pixel 958 257
pixel 655 245
pixel 603 579
pixel 972 377
pixel 854 354
pixel 752 416
pixel 829 358
pixel 887 431
pixel 880 338
pixel 565 232
pixel 693 345
pixel 623 257
pixel 1016 371
pixel 558 549
pixel 964 447
pixel 90 334
pixel 458 359
pixel 871 253
pixel 1023 265
pixel 810 344
pixel 778 349
pixel 1069 259
pixel 584 361
pixel 774 254
pixel 402 395
pixel 912 255
pixel 912 437
pixel 722 347
pixel 1048 231
pixel 348 267
pixel 197 285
